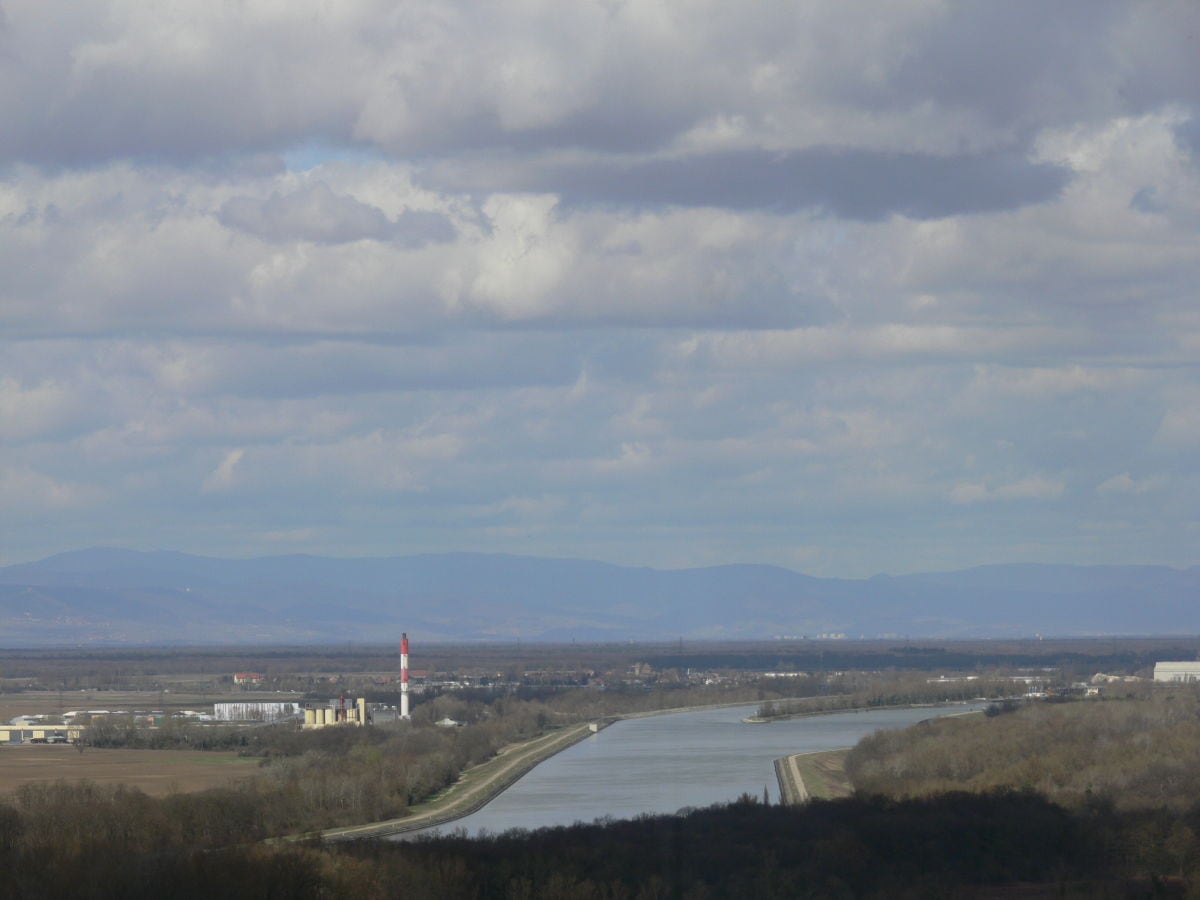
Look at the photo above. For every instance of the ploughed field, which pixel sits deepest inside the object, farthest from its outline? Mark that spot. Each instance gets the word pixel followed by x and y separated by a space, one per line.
pixel 157 772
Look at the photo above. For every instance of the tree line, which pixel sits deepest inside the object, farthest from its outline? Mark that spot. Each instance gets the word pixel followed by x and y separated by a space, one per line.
pixel 88 842
pixel 865 691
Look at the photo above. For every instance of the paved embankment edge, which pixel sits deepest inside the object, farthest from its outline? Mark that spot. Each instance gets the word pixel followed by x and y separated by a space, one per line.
pixel 792 788
pixel 514 763
pixel 791 785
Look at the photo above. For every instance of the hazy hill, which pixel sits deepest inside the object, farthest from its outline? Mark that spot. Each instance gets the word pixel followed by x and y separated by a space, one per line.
pixel 107 595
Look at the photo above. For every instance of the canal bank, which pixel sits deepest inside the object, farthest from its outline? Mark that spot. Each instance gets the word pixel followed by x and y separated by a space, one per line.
pixel 474 789
pixel 816 775
pixel 653 763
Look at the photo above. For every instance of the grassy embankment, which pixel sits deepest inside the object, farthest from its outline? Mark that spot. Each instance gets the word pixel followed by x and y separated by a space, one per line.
pixel 824 773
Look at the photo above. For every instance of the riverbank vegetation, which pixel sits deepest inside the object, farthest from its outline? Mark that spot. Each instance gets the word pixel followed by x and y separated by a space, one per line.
pixel 1137 750
pixel 868 691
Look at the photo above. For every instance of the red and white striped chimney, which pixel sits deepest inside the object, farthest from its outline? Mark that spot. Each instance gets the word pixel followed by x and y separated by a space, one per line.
pixel 404 675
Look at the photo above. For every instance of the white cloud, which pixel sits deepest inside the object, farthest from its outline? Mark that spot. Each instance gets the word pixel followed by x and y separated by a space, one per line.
pixel 36 495
pixel 224 476
pixel 525 259
pixel 1180 426
pixel 1045 381
pixel 35 410
pixel 1035 487
pixel 1124 483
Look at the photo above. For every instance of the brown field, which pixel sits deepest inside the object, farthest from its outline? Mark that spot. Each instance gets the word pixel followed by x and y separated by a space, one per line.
pixel 157 772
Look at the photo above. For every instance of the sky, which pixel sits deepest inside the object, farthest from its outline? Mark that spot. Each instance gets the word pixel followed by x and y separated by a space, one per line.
pixel 851 288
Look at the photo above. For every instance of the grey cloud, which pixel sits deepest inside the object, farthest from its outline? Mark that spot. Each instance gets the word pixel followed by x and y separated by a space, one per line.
pixel 856 184
pixel 1188 135
pixel 331 368
pixel 415 227
pixel 105 84
pixel 316 213
pixel 707 350
pixel 1147 200
pixel 1016 63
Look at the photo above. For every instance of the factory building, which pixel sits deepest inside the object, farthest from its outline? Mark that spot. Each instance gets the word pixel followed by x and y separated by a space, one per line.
pixel 29 731
pixel 337 713
pixel 1177 671
pixel 256 712
pixel 356 712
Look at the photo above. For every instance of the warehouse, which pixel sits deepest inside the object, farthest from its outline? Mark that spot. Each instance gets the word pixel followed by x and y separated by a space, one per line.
pixel 1177 671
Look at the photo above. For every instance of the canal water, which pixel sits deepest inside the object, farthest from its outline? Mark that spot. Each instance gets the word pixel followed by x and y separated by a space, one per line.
pixel 661 764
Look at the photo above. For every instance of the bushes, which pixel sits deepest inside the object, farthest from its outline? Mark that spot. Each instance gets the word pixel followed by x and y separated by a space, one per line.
pixel 1143 751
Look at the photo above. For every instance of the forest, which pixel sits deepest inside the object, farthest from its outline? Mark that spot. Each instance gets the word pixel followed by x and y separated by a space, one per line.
pixel 63 841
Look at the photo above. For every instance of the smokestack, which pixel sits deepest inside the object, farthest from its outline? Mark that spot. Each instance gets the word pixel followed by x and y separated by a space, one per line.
pixel 404 675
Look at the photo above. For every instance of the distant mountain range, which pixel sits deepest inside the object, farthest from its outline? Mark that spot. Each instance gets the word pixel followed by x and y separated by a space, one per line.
pixel 108 596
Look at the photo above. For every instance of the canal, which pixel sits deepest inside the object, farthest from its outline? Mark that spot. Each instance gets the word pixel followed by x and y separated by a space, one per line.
pixel 661 764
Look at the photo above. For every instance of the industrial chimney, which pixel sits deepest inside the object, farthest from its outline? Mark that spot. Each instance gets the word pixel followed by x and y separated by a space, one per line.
pixel 404 675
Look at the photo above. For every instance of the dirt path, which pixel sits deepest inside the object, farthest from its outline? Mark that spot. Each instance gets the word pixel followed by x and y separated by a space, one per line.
pixel 473 789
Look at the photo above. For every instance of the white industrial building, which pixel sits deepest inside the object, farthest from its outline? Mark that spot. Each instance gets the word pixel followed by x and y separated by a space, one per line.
pixel 1177 671
pixel 257 711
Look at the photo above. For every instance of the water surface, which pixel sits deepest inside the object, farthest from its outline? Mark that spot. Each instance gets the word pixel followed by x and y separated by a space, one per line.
pixel 661 764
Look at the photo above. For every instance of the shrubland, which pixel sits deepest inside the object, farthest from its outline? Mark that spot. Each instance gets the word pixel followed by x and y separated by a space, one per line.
pixel 1138 750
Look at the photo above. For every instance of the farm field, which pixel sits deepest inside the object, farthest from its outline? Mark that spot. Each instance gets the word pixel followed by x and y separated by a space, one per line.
pixel 157 772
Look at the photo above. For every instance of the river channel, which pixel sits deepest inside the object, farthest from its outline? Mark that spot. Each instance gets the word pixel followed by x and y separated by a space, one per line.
pixel 661 764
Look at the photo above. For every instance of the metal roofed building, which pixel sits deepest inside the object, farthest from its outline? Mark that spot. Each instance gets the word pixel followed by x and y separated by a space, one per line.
pixel 1177 671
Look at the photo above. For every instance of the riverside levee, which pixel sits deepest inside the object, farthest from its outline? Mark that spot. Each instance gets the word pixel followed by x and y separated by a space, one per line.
pixel 664 763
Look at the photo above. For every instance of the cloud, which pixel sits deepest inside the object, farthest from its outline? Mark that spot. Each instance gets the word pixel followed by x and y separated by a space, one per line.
pixel 844 181
pixel 183 83
pixel 1180 425
pixel 223 476
pixel 39 495
pixel 525 258
pixel 315 213
pixel 1035 487
pixel 1046 381
pixel 612 280
pixel 1124 483
pixel 37 410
